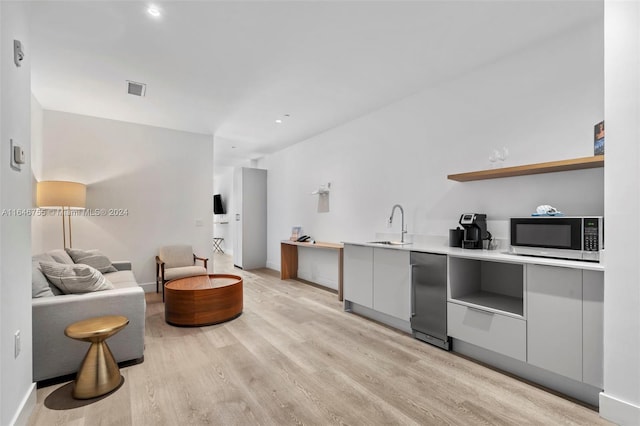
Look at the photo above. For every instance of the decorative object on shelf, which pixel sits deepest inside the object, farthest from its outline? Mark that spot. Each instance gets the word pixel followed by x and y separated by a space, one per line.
pixel 323 189
pixel 532 169
pixel 498 157
pixel 63 195
pixel 598 139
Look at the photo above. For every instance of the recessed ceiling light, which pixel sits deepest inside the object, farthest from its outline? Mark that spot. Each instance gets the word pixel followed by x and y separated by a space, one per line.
pixel 278 121
pixel 153 11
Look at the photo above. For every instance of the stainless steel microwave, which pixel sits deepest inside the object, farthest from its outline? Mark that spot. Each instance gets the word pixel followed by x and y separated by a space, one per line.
pixel 565 237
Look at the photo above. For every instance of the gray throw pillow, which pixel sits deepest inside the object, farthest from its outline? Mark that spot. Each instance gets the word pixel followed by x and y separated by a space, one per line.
pixel 39 284
pixel 60 256
pixel 92 258
pixel 77 278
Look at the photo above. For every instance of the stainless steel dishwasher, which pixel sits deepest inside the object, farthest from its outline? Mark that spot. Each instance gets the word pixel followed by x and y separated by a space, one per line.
pixel 429 298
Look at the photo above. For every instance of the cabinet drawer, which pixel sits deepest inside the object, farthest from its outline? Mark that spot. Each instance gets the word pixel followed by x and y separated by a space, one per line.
pixel 498 333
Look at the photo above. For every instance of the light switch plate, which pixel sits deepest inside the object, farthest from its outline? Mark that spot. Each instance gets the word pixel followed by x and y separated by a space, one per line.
pixel 16 344
pixel 18 53
pixel 12 155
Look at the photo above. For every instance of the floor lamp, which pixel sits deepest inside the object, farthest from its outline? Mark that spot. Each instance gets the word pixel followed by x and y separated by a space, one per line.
pixel 54 194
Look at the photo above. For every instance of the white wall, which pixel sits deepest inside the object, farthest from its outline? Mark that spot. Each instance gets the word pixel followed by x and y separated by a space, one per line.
pixel 36 142
pixel 223 185
pixel 163 178
pixel 540 103
pixel 17 391
pixel 620 401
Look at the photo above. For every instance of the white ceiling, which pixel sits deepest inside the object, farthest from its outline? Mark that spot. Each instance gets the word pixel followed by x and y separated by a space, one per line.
pixel 231 68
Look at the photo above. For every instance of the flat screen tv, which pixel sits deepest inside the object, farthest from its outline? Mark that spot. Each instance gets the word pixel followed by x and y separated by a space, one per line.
pixel 218 208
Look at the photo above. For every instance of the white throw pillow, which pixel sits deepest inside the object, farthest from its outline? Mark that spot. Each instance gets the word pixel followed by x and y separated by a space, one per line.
pixel 78 278
pixel 92 258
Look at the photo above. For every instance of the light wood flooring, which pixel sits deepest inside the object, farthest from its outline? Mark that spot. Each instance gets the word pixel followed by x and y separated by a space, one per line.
pixel 294 357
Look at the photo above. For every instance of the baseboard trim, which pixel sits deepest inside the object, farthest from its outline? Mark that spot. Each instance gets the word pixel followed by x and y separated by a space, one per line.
pixel 273 265
pixel 27 405
pixel 371 314
pixel 578 391
pixel 618 411
pixel 148 287
pixel 324 282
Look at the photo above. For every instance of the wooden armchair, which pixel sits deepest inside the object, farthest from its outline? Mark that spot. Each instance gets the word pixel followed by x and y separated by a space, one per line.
pixel 177 261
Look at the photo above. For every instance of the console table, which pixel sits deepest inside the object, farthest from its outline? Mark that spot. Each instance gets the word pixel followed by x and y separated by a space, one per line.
pixel 289 259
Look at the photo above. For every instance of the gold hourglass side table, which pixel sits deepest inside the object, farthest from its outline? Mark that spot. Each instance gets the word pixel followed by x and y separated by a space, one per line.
pixel 99 373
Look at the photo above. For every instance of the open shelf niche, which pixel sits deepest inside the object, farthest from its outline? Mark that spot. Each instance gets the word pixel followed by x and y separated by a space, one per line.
pixel 493 286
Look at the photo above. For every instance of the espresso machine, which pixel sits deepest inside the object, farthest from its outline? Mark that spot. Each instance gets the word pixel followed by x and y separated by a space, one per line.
pixel 475 230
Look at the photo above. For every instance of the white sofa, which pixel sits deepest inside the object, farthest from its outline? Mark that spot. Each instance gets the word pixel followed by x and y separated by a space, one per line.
pixel 54 354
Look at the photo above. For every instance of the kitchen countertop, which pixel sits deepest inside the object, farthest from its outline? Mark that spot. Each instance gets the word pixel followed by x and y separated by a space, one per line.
pixel 491 255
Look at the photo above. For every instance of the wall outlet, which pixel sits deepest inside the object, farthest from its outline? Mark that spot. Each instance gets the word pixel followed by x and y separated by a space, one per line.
pixel 199 222
pixel 16 344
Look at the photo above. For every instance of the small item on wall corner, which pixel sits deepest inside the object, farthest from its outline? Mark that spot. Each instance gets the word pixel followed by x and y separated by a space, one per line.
pixel 598 139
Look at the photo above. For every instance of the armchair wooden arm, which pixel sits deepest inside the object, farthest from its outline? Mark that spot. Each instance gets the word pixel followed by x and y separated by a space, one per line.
pixel 159 273
pixel 204 259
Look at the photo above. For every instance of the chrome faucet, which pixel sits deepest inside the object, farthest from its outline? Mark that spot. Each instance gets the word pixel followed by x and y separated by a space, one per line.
pixel 402 228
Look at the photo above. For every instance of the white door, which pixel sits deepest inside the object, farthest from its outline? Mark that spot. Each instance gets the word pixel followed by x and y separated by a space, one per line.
pixel 236 219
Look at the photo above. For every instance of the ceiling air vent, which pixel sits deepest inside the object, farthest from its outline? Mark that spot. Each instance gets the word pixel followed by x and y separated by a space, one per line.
pixel 137 89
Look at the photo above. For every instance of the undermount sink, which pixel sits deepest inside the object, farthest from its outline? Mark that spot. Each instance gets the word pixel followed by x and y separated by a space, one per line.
pixel 389 243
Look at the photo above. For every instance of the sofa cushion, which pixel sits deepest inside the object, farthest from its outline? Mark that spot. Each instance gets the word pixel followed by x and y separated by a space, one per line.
pixel 121 279
pixel 93 258
pixel 185 271
pixel 75 278
pixel 60 256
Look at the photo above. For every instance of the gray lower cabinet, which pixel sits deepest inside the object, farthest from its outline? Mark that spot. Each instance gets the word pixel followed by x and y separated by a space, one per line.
pixel 358 275
pixel 379 279
pixel 554 326
pixel 392 282
pixel 592 327
pixel 565 321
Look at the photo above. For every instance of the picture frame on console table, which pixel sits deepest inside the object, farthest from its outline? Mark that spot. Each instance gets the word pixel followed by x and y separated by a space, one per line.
pixel 295 233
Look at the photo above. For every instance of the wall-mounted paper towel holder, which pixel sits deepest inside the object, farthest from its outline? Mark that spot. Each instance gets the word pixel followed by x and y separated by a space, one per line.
pixel 323 190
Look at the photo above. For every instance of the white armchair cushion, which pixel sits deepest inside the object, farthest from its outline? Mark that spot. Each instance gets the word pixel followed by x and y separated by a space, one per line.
pixel 185 271
pixel 176 256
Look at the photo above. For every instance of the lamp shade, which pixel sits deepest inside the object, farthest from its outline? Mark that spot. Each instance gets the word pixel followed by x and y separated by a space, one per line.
pixel 56 193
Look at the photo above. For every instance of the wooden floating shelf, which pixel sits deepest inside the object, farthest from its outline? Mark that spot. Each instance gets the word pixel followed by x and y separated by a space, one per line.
pixel 532 169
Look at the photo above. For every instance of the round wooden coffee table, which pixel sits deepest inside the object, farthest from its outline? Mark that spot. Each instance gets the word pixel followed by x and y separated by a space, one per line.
pixel 203 300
